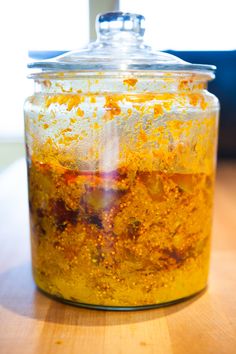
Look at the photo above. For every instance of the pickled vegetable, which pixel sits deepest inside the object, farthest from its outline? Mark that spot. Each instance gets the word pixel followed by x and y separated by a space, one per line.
pixel 95 242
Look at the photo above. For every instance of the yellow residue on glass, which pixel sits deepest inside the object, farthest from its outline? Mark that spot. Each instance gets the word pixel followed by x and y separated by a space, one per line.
pixel 112 106
pixel 196 98
pixel 73 120
pixel 80 112
pixel 70 100
pixel 130 82
pixel 167 105
pixel 143 136
pixel 95 126
pixel 107 116
pixel 47 83
pixel 93 99
pixel 67 139
pixel 129 111
pixel 158 110
pixel 62 87
pixel 185 84
pixel 66 130
pixel 40 116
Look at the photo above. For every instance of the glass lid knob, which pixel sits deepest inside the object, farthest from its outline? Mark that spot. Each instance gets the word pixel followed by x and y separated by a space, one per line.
pixel 113 23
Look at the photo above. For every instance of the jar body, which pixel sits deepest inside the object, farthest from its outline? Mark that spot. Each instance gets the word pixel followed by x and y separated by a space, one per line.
pixel 121 191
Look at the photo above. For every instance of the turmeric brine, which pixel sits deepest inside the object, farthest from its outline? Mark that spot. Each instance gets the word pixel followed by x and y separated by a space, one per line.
pixel 124 238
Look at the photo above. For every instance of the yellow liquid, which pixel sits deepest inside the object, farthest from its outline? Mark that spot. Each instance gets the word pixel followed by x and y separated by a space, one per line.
pixel 123 238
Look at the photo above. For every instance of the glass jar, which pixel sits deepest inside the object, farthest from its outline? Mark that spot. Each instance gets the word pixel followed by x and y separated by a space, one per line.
pixel 121 151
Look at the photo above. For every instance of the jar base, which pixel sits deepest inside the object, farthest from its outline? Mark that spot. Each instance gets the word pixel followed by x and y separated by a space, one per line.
pixel 122 308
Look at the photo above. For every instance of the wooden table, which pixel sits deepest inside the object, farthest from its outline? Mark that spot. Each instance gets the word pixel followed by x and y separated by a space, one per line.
pixel 32 323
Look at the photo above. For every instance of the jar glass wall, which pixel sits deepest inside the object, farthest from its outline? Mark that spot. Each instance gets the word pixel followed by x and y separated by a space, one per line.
pixel 121 174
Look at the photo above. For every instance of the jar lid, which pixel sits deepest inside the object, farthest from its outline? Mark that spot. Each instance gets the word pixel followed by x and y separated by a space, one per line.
pixel 119 47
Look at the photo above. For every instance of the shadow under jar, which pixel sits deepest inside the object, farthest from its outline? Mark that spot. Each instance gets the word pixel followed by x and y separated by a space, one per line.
pixel 121 151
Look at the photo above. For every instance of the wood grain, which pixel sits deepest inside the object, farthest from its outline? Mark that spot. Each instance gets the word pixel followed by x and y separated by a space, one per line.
pixel 30 322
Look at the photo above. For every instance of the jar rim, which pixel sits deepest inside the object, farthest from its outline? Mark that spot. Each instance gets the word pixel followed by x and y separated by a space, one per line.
pixel 196 75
